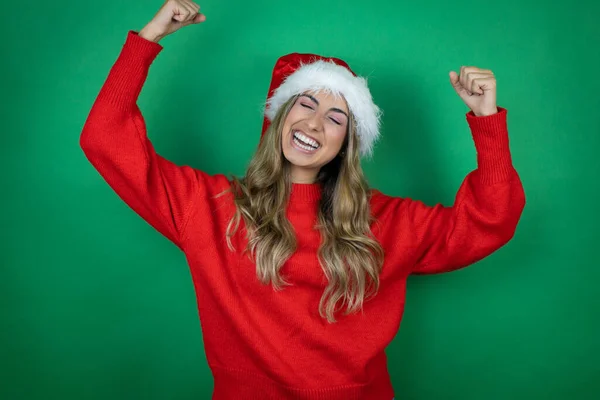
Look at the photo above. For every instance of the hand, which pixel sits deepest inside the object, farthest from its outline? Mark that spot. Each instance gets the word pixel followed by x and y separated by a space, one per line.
pixel 477 88
pixel 173 15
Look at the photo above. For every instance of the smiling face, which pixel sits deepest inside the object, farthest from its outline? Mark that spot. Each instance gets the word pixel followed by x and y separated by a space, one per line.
pixel 313 133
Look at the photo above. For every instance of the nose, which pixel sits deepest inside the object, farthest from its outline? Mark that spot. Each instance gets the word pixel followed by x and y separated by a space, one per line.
pixel 315 122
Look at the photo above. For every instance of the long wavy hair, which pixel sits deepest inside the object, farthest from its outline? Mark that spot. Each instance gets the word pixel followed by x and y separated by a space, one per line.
pixel 349 255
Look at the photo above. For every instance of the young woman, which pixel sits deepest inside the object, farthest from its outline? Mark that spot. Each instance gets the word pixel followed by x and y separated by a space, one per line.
pixel 299 267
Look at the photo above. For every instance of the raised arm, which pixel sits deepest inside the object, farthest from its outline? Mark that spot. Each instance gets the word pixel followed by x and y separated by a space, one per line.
pixel 486 209
pixel 114 139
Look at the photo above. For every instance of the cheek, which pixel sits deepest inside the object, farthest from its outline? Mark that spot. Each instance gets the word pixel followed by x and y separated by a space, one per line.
pixel 336 137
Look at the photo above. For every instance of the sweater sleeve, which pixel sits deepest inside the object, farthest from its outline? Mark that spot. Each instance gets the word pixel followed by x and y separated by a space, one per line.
pixel 483 218
pixel 114 141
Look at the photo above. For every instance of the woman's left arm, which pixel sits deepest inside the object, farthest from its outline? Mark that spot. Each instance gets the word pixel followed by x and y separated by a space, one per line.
pixel 491 199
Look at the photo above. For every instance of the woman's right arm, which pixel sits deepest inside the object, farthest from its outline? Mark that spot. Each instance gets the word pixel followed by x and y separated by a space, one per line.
pixel 114 139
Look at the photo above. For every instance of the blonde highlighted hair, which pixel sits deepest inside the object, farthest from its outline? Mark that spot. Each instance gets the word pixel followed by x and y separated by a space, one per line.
pixel 349 255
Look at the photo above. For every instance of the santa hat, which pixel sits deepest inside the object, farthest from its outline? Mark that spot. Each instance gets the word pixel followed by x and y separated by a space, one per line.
pixel 296 73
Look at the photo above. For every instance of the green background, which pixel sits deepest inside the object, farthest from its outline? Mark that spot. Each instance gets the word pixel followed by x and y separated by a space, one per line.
pixel 95 304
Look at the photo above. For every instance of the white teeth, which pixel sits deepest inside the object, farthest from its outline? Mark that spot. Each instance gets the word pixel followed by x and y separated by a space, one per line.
pixel 299 136
pixel 304 146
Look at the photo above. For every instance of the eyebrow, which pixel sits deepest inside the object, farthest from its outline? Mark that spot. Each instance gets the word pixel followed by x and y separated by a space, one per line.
pixel 332 109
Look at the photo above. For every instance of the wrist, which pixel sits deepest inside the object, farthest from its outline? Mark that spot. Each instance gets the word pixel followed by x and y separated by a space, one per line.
pixel 150 34
pixel 486 113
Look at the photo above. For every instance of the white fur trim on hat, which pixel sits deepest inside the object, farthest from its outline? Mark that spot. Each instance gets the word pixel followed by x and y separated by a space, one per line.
pixel 326 75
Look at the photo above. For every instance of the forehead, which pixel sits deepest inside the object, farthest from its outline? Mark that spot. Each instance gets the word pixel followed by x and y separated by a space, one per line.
pixel 328 99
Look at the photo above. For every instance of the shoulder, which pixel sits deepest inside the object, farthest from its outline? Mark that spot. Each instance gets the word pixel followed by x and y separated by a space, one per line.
pixel 391 219
pixel 379 200
pixel 210 185
pixel 388 208
pixel 385 207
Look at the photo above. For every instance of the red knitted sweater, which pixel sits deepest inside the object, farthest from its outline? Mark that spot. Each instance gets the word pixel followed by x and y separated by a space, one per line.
pixel 263 344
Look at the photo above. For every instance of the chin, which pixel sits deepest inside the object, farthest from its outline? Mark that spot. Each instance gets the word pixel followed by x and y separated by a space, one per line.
pixel 297 159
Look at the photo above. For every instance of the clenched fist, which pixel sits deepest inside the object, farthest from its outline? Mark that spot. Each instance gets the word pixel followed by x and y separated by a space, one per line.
pixel 173 15
pixel 477 88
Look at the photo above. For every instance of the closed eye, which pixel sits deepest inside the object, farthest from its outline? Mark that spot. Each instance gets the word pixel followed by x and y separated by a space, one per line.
pixel 335 121
pixel 306 106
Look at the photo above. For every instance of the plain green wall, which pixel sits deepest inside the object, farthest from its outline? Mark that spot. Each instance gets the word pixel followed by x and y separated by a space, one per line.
pixel 95 304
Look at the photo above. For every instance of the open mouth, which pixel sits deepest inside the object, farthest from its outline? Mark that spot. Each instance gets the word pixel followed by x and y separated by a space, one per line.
pixel 304 142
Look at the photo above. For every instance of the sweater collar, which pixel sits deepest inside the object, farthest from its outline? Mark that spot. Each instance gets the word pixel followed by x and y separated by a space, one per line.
pixel 305 192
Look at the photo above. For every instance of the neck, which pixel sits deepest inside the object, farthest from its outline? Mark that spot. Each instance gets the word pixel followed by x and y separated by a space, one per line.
pixel 303 175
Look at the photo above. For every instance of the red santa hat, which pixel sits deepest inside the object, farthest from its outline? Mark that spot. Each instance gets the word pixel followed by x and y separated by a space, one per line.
pixel 296 73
